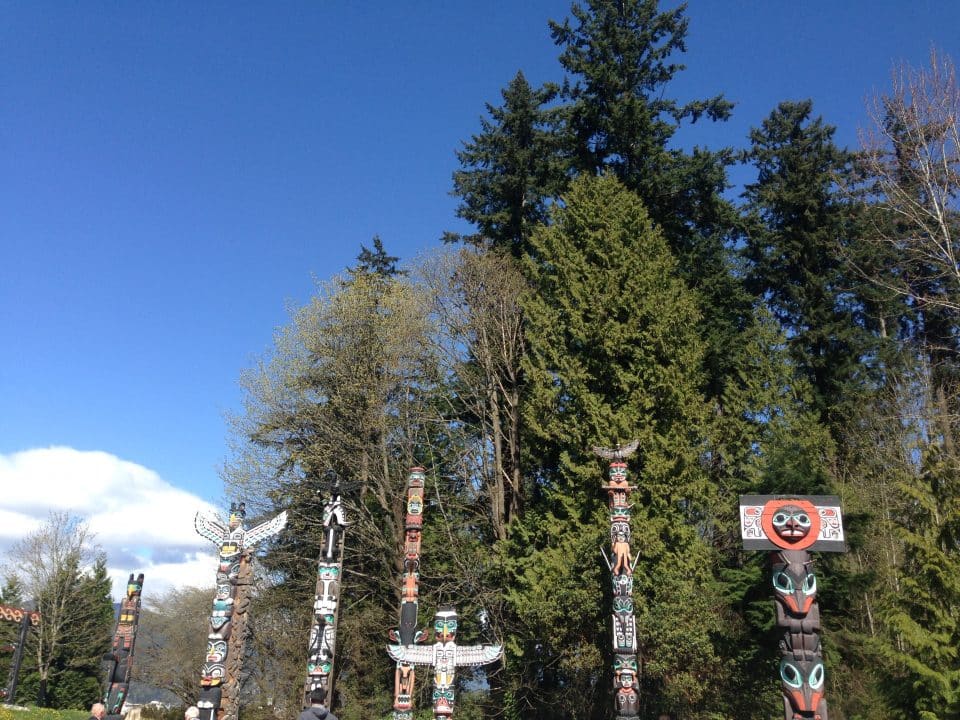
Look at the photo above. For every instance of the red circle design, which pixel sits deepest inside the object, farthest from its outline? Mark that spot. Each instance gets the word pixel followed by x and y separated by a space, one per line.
pixel 766 522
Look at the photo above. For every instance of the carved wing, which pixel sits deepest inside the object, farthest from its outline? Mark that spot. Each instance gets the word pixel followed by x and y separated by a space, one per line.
pixel 620 452
pixel 210 528
pixel 411 654
pixel 474 655
pixel 265 530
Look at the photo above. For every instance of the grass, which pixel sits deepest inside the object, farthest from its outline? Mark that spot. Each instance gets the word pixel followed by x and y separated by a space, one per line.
pixel 34 713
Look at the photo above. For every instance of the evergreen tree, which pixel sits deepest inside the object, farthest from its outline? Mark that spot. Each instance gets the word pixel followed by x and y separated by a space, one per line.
pixel 510 169
pixel 799 223
pixel 923 615
pixel 613 355
pixel 619 56
pixel 78 678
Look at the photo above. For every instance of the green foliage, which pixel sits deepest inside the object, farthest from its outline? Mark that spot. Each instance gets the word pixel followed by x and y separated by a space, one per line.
pixel 612 355
pixel 923 615
pixel 511 168
pixel 799 224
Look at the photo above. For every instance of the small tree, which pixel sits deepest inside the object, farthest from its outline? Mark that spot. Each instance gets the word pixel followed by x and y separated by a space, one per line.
pixel 61 568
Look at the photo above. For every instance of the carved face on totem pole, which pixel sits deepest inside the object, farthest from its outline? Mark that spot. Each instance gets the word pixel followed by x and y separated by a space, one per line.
pixel 134 586
pixel 411 548
pixel 445 625
pixel 624 671
pixel 216 650
pixel 618 473
pixel 791 524
pixel 443 700
pixel 237 513
pixel 802 684
pixel 793 582
pixel 622 586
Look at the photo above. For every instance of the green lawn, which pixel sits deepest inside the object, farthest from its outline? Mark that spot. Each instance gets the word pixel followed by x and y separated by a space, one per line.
pixel 8 713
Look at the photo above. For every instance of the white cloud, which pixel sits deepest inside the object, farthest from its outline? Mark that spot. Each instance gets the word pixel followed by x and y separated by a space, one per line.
pixel 144 523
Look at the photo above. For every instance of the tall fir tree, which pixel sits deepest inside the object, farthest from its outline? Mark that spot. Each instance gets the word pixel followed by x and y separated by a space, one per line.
pixel 511 169
pixel 619 56
pixel 799 224
pixel 612 355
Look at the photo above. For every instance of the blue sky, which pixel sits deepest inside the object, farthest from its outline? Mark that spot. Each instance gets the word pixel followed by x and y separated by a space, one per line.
pixel 175 175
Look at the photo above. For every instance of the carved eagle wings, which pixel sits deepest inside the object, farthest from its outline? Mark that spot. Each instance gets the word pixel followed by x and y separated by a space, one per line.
pixel 210 528
pixel 265 530
pixel 466 655
pixel 620 452
pixel 218 533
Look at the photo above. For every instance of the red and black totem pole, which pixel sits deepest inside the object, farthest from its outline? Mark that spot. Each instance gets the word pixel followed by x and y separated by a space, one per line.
pixel 791 526
pixel 621 564
pixel 407 633
pixel 318 689
pixel 220 676
pixel 119 661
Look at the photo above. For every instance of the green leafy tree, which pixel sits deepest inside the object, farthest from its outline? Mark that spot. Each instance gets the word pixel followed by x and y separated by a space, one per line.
pixel 352 390
pixel 612 355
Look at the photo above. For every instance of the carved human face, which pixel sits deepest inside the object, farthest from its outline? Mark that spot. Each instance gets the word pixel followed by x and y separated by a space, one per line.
pixel 445 625
pixel 791 523
pixel 618 473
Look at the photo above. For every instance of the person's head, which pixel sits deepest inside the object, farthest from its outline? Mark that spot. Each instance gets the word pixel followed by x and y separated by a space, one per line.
pixel 191 713
pixel 98 710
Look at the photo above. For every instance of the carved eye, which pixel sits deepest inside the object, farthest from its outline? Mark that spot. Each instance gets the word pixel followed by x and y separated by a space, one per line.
pixel 816 677
pixel 810 584
pixel 782 582
pixel 780 519
pixel 790 674
pixel 802 519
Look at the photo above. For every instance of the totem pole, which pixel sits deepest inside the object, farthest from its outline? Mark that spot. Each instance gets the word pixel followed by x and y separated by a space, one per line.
pixel 445 656
pixel 219 680
pixel 407 633
pixel 25 618
pixel 119 660
pixel 791 526
pixel 318 689
pixel 621 565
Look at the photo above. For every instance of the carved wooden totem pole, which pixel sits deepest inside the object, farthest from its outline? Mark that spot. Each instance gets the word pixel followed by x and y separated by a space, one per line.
pixel 318 690
pixel 219 680
pixel 119 660
pixel 791 527
pixel 25 618
pixel 626 698
pixel 407 633
pixel 445 656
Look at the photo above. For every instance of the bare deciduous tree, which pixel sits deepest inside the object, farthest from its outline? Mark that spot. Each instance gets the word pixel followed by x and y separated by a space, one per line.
pixel 476 298
pixel 172 639
pixel 911 159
